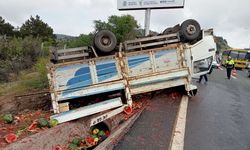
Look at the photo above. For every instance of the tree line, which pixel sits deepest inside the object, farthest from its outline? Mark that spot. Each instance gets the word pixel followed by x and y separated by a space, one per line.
pixel 25 47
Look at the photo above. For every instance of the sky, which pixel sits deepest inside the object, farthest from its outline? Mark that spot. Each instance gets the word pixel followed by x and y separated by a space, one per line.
pixel 229 19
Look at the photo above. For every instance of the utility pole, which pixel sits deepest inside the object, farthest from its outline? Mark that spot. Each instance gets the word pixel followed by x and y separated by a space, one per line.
pixel 147 21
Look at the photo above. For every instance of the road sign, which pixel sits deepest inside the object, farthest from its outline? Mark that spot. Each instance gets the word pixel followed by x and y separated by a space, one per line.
pixel 149 4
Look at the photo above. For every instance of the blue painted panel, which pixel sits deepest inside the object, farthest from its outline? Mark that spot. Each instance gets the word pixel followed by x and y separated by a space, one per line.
pixel 106 70
pixel 81 78
pixel 134 61
pixel 161 53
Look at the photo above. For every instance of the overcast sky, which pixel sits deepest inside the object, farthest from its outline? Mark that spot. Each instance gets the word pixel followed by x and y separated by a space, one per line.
pixel 230 19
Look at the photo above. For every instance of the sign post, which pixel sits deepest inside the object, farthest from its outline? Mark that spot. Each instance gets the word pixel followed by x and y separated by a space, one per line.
pixel 147 5
pixel 147 20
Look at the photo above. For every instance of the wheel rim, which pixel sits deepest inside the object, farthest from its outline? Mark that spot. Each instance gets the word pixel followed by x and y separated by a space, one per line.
pixel 191 29
pixel 105 41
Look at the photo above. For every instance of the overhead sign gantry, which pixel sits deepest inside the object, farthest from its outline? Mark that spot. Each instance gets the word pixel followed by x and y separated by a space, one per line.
pixel 147 5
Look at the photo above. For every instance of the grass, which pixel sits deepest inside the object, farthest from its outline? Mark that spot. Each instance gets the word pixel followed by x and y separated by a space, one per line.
pixel 26 82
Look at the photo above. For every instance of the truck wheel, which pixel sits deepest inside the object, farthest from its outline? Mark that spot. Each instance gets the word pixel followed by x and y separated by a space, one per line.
pixel 167 31
pixel 190 30
pixel 105 41
pixel 171 30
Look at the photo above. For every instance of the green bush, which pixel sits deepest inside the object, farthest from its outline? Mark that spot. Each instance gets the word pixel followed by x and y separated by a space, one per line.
pixel 40 67
pixel 17 54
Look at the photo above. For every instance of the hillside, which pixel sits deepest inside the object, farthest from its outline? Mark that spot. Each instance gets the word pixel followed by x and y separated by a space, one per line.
pixel 64 37
pixel 221 43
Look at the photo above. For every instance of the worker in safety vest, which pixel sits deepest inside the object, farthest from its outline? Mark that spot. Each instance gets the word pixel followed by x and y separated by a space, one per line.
pixel 229 66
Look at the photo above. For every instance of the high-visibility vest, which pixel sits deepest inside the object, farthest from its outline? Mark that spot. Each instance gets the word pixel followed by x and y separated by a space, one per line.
pixel 230 62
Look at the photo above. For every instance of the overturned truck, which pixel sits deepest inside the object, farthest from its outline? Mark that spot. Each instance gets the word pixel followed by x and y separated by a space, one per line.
pixel 141 65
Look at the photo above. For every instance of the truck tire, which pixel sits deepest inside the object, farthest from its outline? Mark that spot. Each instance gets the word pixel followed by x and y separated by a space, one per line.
pixel 190 30
pixel 171 30
pixel 167 31
pixel 105 41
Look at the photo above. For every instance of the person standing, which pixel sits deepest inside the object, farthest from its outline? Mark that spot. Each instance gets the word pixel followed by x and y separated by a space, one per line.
pixel 229 66
pixel 205 76
pixel 204 66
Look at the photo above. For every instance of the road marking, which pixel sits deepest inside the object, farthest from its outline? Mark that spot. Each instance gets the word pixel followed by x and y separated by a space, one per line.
pixel 177 139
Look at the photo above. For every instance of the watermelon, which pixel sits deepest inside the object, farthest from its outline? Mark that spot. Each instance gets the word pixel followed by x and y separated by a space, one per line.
pixel 58 147
pixel 95 131
pixel 72 147
pixel 90 141
pixel 128 110
pixel 33 127
pixel 101 133
pixel 76 141
pixel 96 138
pixel 8 118
pixel 10 138
pixel 42 122
pixel 107 133
pixel 53 123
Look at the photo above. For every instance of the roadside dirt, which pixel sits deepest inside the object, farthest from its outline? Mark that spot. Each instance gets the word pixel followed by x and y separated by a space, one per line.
pixel 20 125
pixel 25 109
pixel 25 103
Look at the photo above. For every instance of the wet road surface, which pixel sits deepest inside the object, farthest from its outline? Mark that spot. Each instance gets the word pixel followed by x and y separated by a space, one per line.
pixel 153 129
pixel 219 116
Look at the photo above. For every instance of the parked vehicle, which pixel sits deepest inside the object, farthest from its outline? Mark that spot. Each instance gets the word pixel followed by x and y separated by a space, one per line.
pixel 248 69
pixel 141 65
pixel 240 57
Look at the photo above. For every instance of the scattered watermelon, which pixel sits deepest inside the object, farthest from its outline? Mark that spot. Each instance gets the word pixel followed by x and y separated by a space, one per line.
pixel 76 141
pixel 53 123
pixel 107 133
pixel 10 138
pixel 82 145
pixel 101 133
pixel 128 110
pixel 72 147
pixel 95 131
pixel 20 131
pixel 42 122
pixel 58 147
pixel 8 118
pixel 96 138
pixel 33 127
pixel 90 141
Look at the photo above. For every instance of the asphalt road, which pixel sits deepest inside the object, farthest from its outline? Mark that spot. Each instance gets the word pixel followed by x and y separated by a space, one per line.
pixel 153 129
pixel 219 116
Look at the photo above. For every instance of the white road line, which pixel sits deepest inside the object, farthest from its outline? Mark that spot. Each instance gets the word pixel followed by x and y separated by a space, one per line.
pixel 220 68
pixel 177 139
